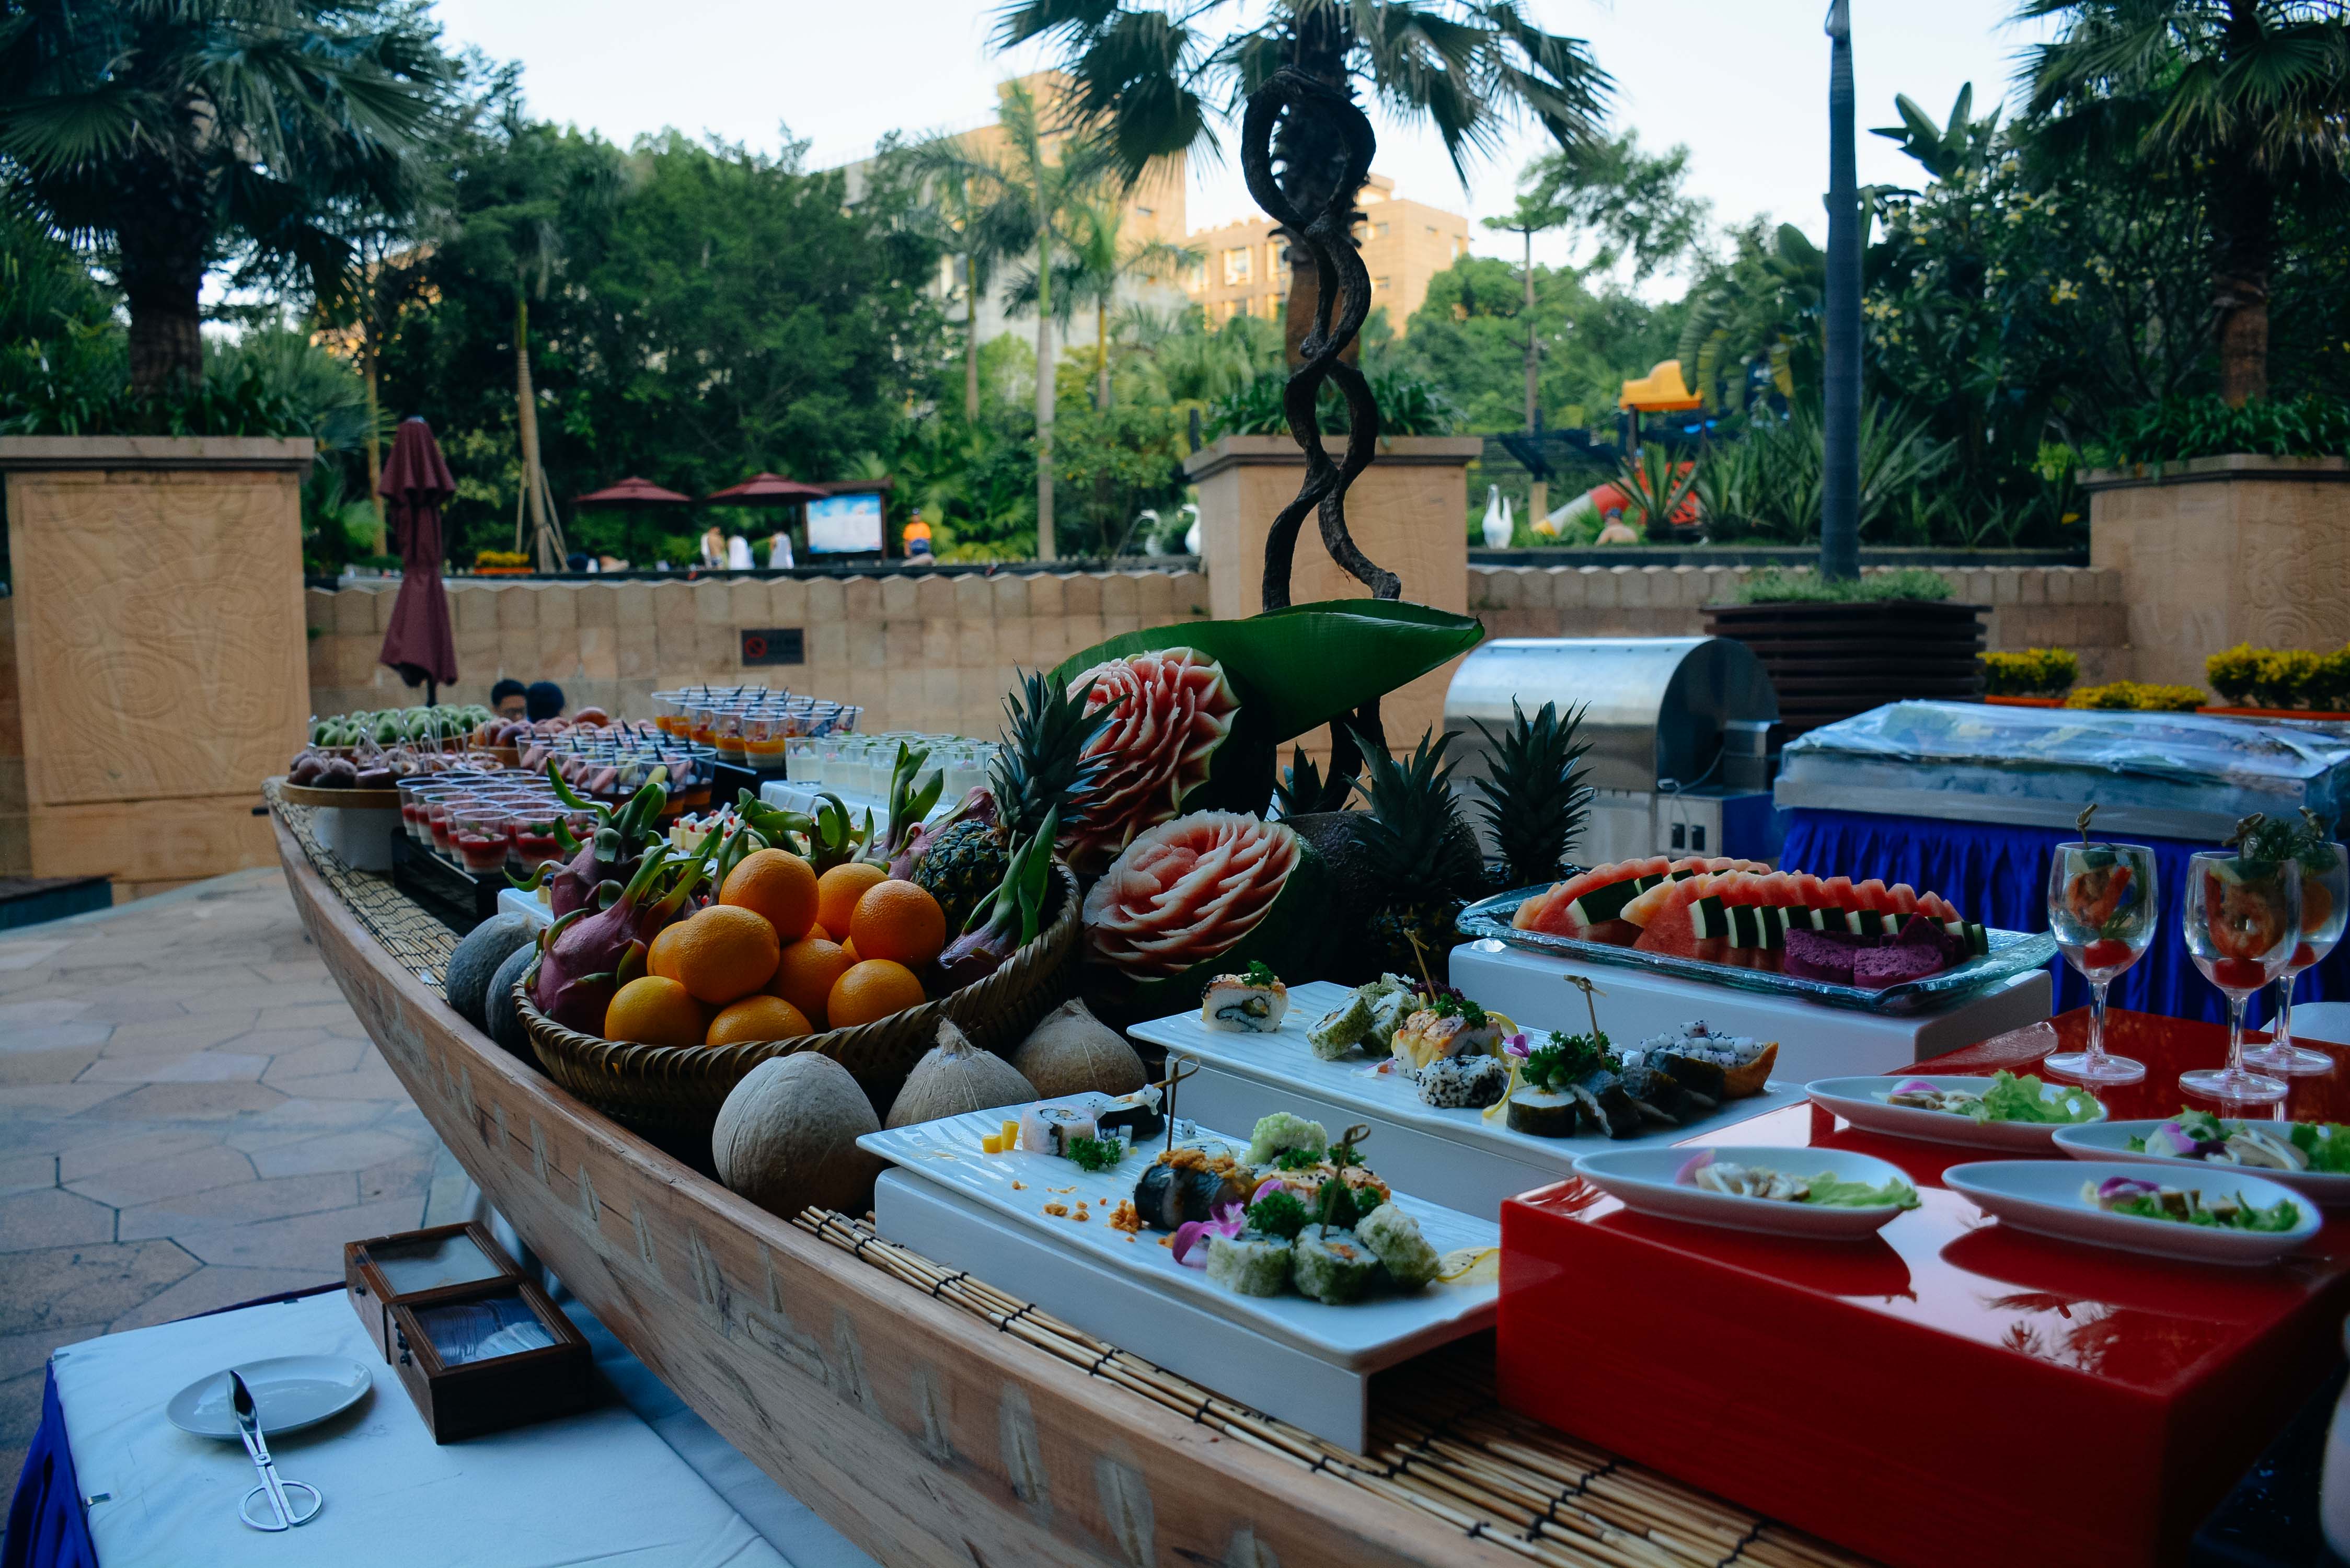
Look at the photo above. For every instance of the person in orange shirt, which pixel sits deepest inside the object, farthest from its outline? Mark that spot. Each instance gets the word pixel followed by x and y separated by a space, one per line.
pixel 918 539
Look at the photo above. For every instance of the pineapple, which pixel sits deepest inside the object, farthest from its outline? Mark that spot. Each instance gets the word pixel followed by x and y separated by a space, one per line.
pixel 1535 797
pixel 1041 765
pixel 1420 853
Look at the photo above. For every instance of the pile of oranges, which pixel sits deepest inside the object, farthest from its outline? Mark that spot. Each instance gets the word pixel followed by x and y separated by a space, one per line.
pixel 762 962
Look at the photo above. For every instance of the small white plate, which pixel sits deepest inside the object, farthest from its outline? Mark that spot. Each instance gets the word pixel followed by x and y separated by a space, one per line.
pixel 2110 1141
pixel 2045 1195
pixel 1855 1099
pixel 289 1392
pixel 1643 1178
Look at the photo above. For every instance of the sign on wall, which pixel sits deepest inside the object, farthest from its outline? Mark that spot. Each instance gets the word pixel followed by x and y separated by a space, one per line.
pixel 773 645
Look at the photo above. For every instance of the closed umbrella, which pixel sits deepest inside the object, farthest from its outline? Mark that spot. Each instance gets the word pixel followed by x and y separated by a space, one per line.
pixel 415 486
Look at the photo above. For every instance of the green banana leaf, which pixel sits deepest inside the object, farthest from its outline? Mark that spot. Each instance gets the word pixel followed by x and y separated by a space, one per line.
pixel 1295 669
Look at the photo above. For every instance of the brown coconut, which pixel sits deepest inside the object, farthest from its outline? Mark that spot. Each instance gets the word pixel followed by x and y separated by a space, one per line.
pixel 786 1137
pixel 1072 1051
pixel 955 1077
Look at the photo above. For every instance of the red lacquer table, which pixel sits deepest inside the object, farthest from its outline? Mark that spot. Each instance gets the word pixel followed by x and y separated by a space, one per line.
pixel 1951 1393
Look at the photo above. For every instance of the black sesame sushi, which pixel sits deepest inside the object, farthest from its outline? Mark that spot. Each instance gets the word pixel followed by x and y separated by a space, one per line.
pixel 1459 1082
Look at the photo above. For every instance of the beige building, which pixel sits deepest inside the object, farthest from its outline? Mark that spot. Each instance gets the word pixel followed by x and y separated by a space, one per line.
pixel 1404 245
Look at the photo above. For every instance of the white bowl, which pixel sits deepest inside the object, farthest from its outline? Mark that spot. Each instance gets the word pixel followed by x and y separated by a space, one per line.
pixel 1643 1180
pixel 1855 1099
pixel 2046 1196
pixel 2110 1141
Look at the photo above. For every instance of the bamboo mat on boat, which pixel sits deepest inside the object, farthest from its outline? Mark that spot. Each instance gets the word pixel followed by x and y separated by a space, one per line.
pixel 417 939
pixel 1440 1441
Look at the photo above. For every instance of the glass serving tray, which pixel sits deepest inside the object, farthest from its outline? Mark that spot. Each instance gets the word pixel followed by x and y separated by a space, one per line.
pixel 2011 953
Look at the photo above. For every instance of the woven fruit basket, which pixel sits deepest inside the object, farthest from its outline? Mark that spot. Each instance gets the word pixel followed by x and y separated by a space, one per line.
pixel 671 1091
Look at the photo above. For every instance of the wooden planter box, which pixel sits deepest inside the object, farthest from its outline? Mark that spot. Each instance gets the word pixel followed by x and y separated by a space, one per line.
pixel 2001 702
pixel 1829 662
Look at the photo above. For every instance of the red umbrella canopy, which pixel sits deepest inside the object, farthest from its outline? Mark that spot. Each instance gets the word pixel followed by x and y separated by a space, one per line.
pixel 416 483
pixel 632 491
pixel 768 490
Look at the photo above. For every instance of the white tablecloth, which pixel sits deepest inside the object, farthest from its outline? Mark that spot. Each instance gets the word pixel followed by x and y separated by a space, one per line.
pixel 603 1487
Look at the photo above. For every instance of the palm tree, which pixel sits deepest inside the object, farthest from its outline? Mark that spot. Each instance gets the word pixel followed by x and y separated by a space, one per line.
pixel 1102 261
pixel 979 218
pixel 1155 79
pixel 171 133
pixel 2250 96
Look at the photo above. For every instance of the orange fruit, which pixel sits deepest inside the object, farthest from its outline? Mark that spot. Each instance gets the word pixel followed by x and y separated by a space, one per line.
pixel 838 890
pixel 850 948
pixel 723 952
pixel 805 974
pixel 661 958
pixel 778 884
pixel 871 988
pixel 819 933
pixel 900 922
pixel 755 1017
pixel 654 1011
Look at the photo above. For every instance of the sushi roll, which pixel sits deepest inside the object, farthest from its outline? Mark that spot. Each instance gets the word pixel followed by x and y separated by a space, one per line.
pixel 1661 1100
pixel 1608 1107
pixel 1453 1082
pixel 1387 1015
pixel 1341 1032
pixel 1251 1264
pixel 1282 1131
pixel 1544 1112
pixel 1334 1266
pixel 1047 1127
pixel 1184 1184
pixel 1250 1004
pixel 1393 1236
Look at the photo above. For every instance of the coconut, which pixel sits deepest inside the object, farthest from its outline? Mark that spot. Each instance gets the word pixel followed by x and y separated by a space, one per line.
pixel 955 1077
pixel 1072 1051
pixel 786 1137
pixel 500 1016
pixel 478 958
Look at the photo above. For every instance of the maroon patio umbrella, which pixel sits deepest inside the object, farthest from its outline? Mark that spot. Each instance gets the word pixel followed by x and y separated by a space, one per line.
pixel 415 485
pixel 766 490
pixel 632 491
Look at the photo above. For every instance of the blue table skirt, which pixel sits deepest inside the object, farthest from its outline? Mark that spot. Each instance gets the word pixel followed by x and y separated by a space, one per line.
pixel 1999 876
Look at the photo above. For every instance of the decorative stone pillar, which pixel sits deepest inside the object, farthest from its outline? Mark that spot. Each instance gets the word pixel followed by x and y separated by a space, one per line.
pixel 1408 511
pixel 157 670
pixel 2216 551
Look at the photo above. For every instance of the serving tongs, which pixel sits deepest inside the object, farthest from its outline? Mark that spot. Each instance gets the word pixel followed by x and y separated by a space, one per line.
pixel 281 1507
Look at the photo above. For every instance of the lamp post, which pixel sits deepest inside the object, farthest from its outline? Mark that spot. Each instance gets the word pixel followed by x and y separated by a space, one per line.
pixel 1840 473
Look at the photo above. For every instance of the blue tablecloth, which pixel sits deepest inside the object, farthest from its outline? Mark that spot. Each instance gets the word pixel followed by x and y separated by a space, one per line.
pixel 1999 876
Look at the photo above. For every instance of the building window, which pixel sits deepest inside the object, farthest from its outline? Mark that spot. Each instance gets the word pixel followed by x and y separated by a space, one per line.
pixel 1236 264
pixel 1379 285
pixel 1431 228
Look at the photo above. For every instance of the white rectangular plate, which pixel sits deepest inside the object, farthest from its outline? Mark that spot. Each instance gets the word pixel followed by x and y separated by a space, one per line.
pixel 2045 1195
pixel 1643 1180
pixel 1855 1099
pixel 2110 1141
pixel 1377 1333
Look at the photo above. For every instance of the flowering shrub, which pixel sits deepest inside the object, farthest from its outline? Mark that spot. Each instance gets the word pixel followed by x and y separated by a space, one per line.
pixel 2032 672
pixel 2143 698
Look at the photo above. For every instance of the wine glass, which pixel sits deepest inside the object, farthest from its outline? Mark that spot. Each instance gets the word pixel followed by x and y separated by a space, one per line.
pixel 2241 920
pixel 2102 907
pixel 2325 904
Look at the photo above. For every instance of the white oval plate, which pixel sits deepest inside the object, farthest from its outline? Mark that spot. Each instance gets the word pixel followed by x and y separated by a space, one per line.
pixel 2110 1141
pixel 1643 1180
pixel 2045 1195
pixel 1855 1099
pixel 289 1392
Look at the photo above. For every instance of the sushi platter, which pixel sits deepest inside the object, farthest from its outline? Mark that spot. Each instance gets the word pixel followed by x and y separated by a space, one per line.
pixel 1012 1219
pixel 1456 1155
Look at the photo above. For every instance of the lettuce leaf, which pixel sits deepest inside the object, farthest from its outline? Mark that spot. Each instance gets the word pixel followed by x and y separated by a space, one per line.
pixel 2014 1099
pixel 1835 1193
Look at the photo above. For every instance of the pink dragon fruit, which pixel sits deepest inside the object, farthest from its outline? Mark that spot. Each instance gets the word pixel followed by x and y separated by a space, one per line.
pixel 612 854
pixel 589 953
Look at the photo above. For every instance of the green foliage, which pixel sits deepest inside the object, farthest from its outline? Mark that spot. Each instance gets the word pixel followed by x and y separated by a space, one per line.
pixel 1913 584
pixel 1114 465
pixel 2030 672
pixel 1630 202
pixel 1468 338
pixel 1768 483
pixel 2177 429
pixel 1408 405
pixel 2131 696
pixel 2245 676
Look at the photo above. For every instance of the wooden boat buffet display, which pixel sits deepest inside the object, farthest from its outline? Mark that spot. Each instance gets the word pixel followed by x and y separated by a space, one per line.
pixel 889 1400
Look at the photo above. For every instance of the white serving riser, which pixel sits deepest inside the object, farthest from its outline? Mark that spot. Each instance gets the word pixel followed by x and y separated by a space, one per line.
pixel 361 839
pixel 531 907
pixel 1815 1041
pixel 1326 1399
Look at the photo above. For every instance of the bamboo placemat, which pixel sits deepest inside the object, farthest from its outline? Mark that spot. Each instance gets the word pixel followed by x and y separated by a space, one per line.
pixel 1439 1442
pixel 420 941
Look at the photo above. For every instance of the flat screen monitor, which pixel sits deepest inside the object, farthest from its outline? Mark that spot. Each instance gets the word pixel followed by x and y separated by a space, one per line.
pixel 845 524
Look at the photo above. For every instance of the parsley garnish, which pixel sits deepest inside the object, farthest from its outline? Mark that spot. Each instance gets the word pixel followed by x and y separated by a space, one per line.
pixel 1299 1158
pixel 1279 1213
pixel 1450 1003
pixel 1259 973
pixel 1094 1153
pixel 1565 1059
pixel 1345 1155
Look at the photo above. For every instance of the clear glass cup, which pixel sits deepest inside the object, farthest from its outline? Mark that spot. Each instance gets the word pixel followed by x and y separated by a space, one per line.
pixel 483 837
pixel 2103 908
pixel 765 737
pixel 2241 920
pixel 535 843
pixel 2325 904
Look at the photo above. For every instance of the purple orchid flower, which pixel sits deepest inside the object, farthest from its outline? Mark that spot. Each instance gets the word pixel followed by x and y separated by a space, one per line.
pixel 1191 1236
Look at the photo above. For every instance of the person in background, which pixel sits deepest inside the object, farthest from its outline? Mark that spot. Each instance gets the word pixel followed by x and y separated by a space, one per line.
pixel 918 539
pixel 738 553
pixel 543 700
pixel 713 547
pixel 509 698
pixel 779 551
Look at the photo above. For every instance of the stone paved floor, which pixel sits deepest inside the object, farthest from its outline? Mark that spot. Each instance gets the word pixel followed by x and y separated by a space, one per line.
pixel 190 1115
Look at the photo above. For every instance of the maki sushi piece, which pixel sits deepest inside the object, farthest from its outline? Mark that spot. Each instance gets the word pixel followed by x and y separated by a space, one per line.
pixel 1334 1266
pixel 1133 1116
pixel 1451 1025
pixel 1187 1184
pixel 1470 1082
pixel 1544 1112
pixel 1394 1238
pixel 1282 1131
pixel 1248 1003
pixel 1608 1107
pixel 1660 1098
pixel 1342 1031
pixel 1252 1264
pixel 1047 1127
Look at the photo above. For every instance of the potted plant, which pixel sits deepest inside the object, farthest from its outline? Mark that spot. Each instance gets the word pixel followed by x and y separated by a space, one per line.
pixel 2140 696
pixel 2030 678
pixel 1837 648
pixel 2280 683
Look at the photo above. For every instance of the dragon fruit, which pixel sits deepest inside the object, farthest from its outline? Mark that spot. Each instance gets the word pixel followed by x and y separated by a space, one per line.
pixel 1010 920
pixel 589 953
pixel 612 854
pixel 1173 709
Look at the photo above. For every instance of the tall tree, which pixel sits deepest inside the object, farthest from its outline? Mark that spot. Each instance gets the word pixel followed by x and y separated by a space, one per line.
pixel 2249 97
pixel 980 221
pixel 173 134
pixel 1156 78
pixel 1103 261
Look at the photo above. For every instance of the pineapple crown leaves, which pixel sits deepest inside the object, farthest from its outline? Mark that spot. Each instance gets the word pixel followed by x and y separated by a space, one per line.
pixel 1537 797
pixel 1042 763
pixel 1419 843
pixel 1300 789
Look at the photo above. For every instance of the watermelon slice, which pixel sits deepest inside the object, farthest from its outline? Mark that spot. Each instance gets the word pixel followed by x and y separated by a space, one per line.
pixel 1590 907
pixel 1690 919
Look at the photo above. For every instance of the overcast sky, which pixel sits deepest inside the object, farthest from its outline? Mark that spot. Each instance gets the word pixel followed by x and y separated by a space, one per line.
pixel 1742 82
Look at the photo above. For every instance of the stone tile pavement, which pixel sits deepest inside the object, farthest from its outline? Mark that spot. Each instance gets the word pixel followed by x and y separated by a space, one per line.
pixel 190 1115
